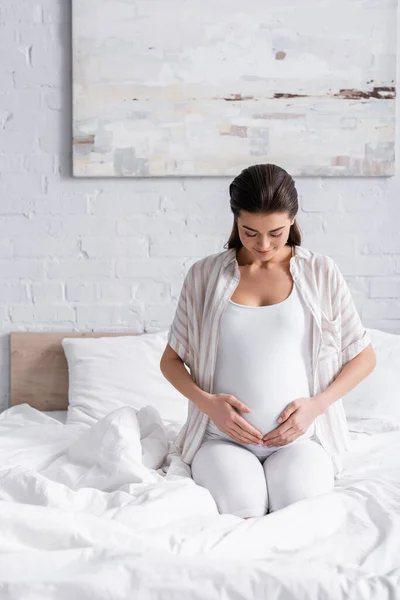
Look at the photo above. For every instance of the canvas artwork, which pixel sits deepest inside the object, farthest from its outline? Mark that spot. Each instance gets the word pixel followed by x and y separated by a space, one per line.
pixel 167 88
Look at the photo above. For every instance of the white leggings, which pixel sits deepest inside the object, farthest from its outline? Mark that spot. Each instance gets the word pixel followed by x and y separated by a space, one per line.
pixel 246 485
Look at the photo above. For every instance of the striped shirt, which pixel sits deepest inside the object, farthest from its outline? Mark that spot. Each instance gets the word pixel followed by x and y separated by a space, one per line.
pixel 338 336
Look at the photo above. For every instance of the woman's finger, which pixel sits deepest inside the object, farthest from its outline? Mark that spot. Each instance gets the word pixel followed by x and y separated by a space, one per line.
pixel 278 431
pixel 289 435
pixel 242 435
pixel 236 438
pixel 248 429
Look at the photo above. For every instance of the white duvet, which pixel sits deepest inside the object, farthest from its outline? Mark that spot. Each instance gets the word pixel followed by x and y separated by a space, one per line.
pixel 109 512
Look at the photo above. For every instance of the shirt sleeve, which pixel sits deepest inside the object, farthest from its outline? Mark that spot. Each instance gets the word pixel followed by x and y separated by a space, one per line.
pixel 354 336
pixel 179 332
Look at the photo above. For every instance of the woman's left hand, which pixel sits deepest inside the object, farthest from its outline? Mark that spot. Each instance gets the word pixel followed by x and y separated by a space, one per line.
pixel 295 420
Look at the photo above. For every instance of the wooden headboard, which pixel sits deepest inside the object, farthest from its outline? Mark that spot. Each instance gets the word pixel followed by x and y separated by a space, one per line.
pixel 39 369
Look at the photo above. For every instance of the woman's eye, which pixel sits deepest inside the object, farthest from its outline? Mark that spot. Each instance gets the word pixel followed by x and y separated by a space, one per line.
pixel 274 236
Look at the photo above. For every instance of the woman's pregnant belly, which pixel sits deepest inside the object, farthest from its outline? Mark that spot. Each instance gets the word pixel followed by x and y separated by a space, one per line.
pixel 266 392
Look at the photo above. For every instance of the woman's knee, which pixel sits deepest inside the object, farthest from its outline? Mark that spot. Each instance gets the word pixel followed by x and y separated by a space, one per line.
pixel 234 476
pixel 296 472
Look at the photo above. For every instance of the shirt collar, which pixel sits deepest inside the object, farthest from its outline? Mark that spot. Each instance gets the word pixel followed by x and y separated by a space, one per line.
pixel 229 255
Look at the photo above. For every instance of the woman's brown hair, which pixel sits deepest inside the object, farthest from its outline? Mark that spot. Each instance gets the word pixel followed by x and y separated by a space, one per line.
pixel 263 189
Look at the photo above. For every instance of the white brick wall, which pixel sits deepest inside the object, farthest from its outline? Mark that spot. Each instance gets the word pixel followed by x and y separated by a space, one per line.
pixel 112 253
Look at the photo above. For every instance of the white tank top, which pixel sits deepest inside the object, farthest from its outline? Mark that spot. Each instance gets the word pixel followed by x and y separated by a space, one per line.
pixel 264 359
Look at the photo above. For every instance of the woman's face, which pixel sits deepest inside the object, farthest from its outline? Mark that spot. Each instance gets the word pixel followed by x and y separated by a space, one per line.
pixel 263 235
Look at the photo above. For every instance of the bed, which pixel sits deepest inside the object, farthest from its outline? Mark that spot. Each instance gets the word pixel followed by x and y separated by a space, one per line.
pixel 85 513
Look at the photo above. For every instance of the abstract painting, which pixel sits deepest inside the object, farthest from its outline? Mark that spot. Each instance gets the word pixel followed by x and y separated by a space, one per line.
pixel 165 88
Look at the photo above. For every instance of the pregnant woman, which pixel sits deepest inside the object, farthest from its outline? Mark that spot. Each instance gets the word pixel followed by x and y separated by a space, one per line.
pixel 265 328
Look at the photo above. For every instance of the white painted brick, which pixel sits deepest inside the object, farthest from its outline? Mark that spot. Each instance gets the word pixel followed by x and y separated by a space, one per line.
pixel 7 80
pixel 85 225
pixel 3 316
pixel 5 395
pixel 38 163
pixel 214 192
pixel 50 135
pixel 387 325
pixel 359 286
pixel 209 224
pixel 161 315
pixel 385 288
pixel 46 246
pixel 318 195
pixel 115 291
pixel 47 58
pixel 13 292
pixel 35 78
pixel 42 314
pixel 11 163
pixel 17 141
pixel 310 222
pixel 45 292
pixel 26 226
pixel 8 35
pixel 388 244
pixel 363 197
pixel 14 58
pixel 6 248
pixel 55 12
pixel 78 185
pixel 366 265
pixel 211 203
pixel 117 247
pixel 33 34
pixel 381 309
pixel 331 246
pixel 21 269
pixel 22 11
pixel 152 292
pixel 108 315
pixel 54 99
pixel 188 245
pixel 159 269
pixel 11 185
pixel 111 203
pixel 81 292
pixel 80 269
pixel 377 224
pixel 152 225
pixel 24 106
pixel 63 204
pixel 48 326
pixel 5 118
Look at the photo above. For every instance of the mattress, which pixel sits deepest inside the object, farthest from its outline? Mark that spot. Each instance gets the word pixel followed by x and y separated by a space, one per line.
pixel 110 511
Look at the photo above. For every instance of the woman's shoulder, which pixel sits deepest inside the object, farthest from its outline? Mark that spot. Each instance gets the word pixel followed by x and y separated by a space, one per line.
pixel 316 259
pixel 319 267
pixel 207 264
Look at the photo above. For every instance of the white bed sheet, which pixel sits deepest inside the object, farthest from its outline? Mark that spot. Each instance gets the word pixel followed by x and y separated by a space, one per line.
pixel 107 512
pixel 59 415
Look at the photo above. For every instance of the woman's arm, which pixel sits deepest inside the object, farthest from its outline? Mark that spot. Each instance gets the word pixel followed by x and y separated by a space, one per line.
pixel 175 372
pixel 299 414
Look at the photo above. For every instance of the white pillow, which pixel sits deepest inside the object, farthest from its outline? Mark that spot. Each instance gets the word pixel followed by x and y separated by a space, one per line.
pixel 378 395
pixel 109 372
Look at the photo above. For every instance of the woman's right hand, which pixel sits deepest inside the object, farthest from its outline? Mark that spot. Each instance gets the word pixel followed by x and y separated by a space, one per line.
pixel 223 411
